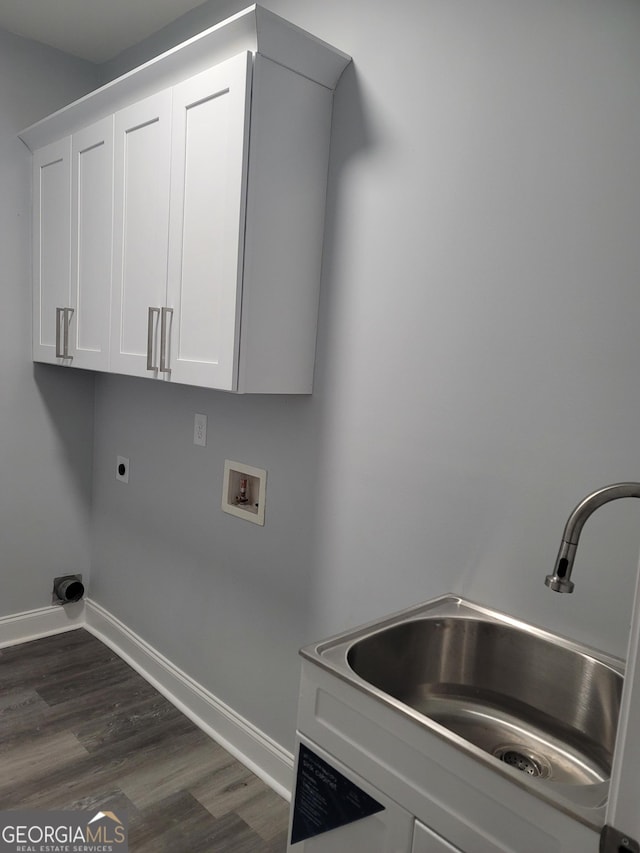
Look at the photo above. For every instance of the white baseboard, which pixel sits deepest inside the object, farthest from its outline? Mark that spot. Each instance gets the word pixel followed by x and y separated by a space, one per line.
pixel 262 755
pixel 43 622
pixel 256 750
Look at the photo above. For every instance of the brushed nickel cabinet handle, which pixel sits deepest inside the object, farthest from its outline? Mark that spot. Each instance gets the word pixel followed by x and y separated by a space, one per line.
pixel 163 340
pixel 68 314
pixel 150 364
pixel 63 318
pixel 59 353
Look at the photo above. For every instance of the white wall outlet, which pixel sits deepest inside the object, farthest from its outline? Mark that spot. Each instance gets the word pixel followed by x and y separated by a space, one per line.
pixel 244 491
pixel 200 430
pixel 122 469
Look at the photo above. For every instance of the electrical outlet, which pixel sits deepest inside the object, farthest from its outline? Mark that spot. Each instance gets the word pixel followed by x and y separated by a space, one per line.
pixel 200 430
pixel 122 469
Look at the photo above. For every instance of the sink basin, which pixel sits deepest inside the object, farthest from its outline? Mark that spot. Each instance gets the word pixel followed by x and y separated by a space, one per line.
pixel 533 705
pixel 543 708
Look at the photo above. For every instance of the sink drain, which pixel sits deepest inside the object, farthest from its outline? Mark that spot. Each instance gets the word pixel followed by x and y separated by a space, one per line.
pixel 523 759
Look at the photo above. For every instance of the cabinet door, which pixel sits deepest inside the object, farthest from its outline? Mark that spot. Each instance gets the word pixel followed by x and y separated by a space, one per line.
pixel 208 191
pixel 426 841
pixel 51 249
pixel 91 244
pixel 142 153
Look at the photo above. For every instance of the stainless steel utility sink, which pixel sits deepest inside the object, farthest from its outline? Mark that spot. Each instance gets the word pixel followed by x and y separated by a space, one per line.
pixel 514 696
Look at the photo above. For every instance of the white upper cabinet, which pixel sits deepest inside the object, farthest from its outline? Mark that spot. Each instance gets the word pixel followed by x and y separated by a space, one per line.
pixel 206 230
pixel 180 175
pixel 91 237
pixel 141 227
pixel 51 250
pixel 72 228
pixel 179 213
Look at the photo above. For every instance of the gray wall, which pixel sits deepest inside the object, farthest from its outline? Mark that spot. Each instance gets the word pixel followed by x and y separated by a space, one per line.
pixel 477 359
pixel 46 416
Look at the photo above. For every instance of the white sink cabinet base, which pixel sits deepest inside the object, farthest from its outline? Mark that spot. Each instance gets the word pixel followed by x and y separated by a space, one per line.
pixel 437 798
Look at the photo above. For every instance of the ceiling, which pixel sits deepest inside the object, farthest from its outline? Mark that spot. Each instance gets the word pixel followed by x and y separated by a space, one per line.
pixel 96 30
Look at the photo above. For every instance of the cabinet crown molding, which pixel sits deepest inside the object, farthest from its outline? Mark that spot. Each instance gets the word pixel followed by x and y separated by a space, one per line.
pixel 254 29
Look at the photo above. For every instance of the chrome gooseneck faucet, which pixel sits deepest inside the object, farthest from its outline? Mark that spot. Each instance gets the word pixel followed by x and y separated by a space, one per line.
pixel 560 580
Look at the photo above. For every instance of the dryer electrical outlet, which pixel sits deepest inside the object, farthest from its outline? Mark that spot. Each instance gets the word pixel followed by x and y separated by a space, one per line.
pixel 122 469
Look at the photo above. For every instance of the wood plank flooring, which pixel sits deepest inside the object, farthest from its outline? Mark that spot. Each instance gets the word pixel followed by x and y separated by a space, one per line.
pixel 80 729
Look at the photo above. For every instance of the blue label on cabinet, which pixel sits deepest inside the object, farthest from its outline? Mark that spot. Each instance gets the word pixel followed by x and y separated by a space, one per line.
pixel 325 799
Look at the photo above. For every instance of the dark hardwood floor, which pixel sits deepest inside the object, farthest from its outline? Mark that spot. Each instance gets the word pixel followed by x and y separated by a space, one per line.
pixel 80 729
